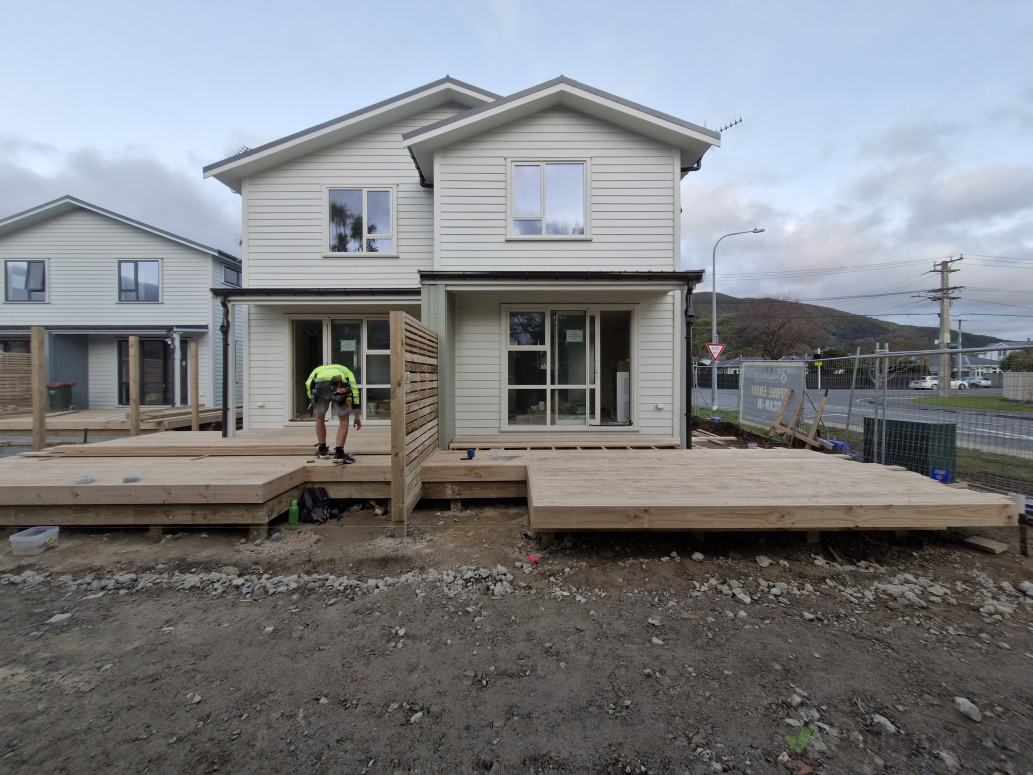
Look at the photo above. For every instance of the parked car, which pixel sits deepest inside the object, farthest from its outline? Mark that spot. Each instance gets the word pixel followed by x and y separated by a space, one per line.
pixel 931 383
pixel 923 383
pixel 975 381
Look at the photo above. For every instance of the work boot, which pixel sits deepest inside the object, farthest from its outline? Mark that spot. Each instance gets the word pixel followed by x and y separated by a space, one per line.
pixel 340 457
pixel 321 451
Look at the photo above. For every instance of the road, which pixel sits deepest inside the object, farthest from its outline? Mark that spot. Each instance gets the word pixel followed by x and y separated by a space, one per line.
pixel 1009 433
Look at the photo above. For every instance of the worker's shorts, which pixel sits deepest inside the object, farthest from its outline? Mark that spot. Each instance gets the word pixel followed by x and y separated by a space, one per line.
pixel 324 398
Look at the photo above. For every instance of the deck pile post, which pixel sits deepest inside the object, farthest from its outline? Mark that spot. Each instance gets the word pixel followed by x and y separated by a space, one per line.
pixel 38 345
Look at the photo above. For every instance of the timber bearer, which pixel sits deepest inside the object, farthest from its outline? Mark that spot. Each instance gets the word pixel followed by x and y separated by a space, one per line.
pixel 333 387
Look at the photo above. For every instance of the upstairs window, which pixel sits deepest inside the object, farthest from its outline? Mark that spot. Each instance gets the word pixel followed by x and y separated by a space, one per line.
pixel 25 280
pixel 548 199
pixel 231 276
pixel 139 281
pixel 360 220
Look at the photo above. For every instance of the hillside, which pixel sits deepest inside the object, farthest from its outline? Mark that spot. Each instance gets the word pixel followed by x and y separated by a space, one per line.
pixel 828 327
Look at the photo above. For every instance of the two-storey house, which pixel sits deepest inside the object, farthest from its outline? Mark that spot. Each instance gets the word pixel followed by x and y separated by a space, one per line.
pixel 538 234
pixel 93 278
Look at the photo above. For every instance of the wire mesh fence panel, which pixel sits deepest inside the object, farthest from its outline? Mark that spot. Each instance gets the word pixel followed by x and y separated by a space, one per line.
pixel 973 428
pixel 890 408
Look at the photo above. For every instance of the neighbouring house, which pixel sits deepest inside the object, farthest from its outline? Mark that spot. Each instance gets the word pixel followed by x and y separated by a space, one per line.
pixel 539 234
pixel 998 351
pixel 93 278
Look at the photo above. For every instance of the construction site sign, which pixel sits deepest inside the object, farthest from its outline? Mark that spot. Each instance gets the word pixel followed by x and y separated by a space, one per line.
pixel 762 389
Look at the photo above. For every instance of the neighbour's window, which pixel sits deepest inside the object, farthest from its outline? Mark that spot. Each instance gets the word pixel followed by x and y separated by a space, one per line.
pixel 139 281
pixel 361 220
pixel 25 280
pixel 548 199
pixel 231 276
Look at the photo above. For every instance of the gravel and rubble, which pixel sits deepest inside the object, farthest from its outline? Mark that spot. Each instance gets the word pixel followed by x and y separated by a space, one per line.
pixel 477 652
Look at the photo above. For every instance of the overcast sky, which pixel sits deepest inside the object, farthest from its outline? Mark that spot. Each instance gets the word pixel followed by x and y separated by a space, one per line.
pixel 876 137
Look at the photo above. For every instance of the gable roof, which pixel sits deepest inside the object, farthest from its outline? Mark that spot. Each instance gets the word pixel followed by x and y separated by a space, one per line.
pixel 233 170
pixel 692 140
pixel 68 204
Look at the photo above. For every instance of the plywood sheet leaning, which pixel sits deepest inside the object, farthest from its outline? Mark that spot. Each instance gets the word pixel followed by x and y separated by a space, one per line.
pixel 414 411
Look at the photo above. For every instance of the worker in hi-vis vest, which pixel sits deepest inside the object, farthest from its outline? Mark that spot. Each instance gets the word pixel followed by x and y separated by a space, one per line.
pixel 333 387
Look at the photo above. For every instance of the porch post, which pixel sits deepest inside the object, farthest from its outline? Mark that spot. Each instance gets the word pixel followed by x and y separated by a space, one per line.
pixel 177 388
pixel 437 310
pixel 231 371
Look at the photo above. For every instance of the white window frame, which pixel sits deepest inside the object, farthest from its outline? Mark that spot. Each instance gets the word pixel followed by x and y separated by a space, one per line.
pixel 512 164
pixel 118 280
pixel 46 280
pixel 365 189
pixel 548 387
pixel 327 320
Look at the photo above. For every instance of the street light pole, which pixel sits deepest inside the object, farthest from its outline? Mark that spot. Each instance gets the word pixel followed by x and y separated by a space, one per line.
pixel 713 311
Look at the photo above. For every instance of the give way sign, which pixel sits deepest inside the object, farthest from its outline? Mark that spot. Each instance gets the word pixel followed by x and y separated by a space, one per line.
pixel 715 351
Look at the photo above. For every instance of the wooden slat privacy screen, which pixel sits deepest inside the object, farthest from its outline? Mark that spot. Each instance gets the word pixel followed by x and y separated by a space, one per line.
pixel 15 382
pixel 414 411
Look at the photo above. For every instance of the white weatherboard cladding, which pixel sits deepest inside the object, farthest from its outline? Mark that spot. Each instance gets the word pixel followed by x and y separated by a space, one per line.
pixel 632 197
pixel 102 372
pixel 479 356
pixel 284 214
pixel 83 249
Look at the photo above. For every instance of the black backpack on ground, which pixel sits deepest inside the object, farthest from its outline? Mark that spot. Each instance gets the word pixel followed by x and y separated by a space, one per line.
pixel 316 507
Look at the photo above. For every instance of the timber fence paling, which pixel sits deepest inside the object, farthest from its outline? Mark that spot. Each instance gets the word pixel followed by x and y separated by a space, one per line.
pixel 414 396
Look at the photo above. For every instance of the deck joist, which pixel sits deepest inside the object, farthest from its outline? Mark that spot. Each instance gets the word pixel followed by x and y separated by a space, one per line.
pixel 201 478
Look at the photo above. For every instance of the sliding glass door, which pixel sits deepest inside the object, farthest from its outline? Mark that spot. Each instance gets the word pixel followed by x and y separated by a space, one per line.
pixel 361 344
pixel 552 367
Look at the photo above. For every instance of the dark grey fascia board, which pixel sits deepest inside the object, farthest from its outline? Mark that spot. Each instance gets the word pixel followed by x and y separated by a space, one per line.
pixel 66 204
pixel 264 292
pixel 348 117
pixel 548 85
pixel 231 260
pixel 690 278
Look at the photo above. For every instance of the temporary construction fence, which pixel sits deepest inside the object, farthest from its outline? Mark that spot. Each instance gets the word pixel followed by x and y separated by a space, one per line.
pixel 888 407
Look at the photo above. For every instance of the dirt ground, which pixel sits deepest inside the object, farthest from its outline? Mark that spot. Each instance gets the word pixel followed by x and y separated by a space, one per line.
pixel 338 649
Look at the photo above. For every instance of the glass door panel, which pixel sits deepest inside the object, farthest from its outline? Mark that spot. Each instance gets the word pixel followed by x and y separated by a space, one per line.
pixel 155 372
pixel 569 406
pixel 307 346
pixel 346 345
pixel 569 348
pixel 527 406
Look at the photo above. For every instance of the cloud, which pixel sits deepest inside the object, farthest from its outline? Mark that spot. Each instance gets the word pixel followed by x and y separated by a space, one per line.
pixel 975 198
pixel 905 140
pixel 130 182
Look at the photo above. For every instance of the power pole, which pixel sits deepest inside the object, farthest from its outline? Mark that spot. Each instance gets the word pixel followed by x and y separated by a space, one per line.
pixel 960 321
pixel 943 295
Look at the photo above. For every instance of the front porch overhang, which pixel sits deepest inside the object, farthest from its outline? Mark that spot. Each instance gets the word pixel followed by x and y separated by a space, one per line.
pixel 544 280
pixel 310 297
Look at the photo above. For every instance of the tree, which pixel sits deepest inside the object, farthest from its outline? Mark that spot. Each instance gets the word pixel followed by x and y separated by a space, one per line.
pixel 1018 361
pixel 776 327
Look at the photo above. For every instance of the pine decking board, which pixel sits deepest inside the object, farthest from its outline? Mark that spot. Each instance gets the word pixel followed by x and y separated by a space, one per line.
pixel 586 489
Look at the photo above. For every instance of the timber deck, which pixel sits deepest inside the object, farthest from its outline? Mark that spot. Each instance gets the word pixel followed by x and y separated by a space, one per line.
pixel 201 478
pixel 110 422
